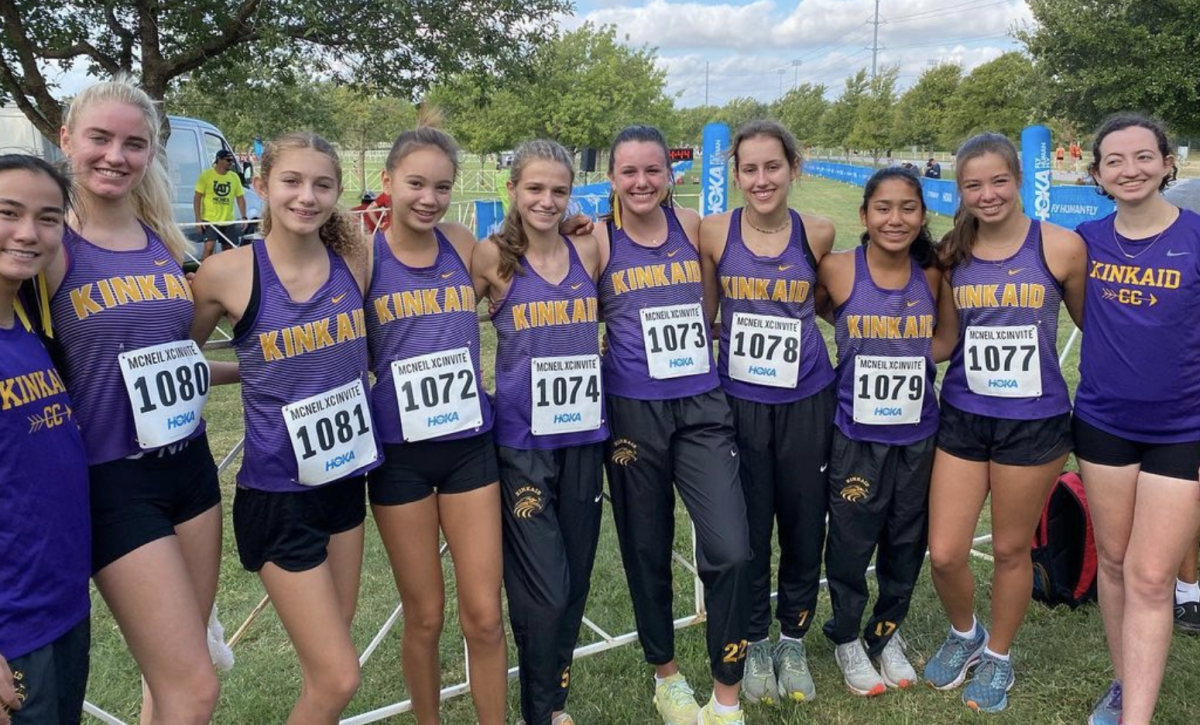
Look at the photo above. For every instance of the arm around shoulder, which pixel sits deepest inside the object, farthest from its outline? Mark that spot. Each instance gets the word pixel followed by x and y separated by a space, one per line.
pixel 1066 255
pixel 820 233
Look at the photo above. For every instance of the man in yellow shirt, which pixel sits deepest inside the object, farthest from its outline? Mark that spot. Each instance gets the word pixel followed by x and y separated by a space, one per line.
pixel 216 190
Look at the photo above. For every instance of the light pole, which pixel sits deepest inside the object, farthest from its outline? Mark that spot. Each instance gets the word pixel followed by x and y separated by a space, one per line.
pixel 781 72
pixel 796 65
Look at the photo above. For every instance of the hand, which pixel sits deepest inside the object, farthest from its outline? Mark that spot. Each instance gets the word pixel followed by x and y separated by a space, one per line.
pixel 8 692
pixel 576 225
pixel 604 343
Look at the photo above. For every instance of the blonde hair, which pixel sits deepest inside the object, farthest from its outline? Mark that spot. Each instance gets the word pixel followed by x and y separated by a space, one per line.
pixel 511 239
pixel 152 197
pixel 339 232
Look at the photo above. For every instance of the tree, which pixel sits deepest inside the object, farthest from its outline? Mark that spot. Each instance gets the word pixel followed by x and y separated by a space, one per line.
pixel 688 127
pixel 1106 56
pixel 872 128
pixel 996 96
pixel 919 111
pixel 738 111
pixel 801 109
pixel 364 121
pixel 838 121
pixel 394 45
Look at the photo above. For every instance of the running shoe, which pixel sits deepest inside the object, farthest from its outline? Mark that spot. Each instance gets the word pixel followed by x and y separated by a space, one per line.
pixel 563 719
pixel 988 689
pixel 708 717
pixel 791 671
pixel 1187 617
pixel 857 670
pixel 758 684
pixel 948 667
pixel 1108 708
pixel 675 701
pixel 894 667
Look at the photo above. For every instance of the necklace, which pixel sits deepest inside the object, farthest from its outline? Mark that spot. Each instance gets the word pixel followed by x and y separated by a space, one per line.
pixel 1117 239
pixel 760 230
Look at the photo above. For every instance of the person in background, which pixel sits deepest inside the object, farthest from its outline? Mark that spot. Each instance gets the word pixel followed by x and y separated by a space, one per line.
pixel 933 170
pixel 215 193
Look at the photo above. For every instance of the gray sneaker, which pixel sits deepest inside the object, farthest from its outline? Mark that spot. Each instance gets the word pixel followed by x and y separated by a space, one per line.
pixel 894 667
pixel 791 671
pixel 758 684
pixel 857 670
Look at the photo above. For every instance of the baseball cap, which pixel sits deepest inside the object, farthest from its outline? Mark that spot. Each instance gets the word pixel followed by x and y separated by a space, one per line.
pixel 224 154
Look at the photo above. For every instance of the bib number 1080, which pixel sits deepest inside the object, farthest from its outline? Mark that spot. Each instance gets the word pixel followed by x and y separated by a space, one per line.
pixel 183 384
pixel 167 386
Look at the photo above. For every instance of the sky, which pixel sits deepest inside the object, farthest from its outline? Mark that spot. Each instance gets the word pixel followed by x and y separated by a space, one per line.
pixel 751 48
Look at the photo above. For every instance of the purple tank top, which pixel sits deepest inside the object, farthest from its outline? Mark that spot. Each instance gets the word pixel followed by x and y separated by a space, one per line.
pixel 653 300
pixel 882 399
pixel 110 303
pixel 1141 348
pixel 415 312
pixel 1006 362
pixel 535 322
pixel 44 528
pixel 781 359
pixel 289 351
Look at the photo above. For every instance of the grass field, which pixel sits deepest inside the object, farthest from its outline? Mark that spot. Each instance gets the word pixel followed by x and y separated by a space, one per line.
pixel 1060 655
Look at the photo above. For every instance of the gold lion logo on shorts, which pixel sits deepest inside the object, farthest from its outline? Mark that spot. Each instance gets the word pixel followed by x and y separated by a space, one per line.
pixel 624 452
pixel 529 502
pixel 856 489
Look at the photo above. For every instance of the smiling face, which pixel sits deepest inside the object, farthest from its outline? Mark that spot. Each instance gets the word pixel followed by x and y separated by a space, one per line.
pixel 988 188
pixel 640 176
pixel 1132 166
pixel 31 223
pixel 893 215
pixel 301 191
pixel 541 194
pixel 110 146
pixel 420 186
pixel 764 174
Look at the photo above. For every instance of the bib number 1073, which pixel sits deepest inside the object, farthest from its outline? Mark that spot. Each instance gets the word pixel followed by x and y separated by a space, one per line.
pixel 676 341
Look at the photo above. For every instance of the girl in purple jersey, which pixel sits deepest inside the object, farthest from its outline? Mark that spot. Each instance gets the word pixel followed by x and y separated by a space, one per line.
pixel 760 265
pixel 1005 416
pixel 116 294
pixel 1137 409
pixel 550 424
pixel 44 602
pixel 671 427
pixel 439 472
pixel 884 295
pixel 295 301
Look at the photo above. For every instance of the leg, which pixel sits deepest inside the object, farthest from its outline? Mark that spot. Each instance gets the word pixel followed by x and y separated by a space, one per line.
pixel 1111 492
pixel 1018 497
pixel 956 495
pixel 345 567
pixel 308 604
pixel 756 468
pixel 471 522
pixel 410 536
pixel 1187 571
pixel 153 599
pixel 200 544
pixel 1166 515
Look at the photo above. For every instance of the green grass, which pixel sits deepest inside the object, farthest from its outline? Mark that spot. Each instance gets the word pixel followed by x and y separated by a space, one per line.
pixel 1062 663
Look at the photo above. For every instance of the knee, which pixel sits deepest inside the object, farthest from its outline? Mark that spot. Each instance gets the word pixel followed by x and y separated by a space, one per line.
pixel 482 630
pixel 728 554
pixel 1012 554
pixel 336 687
pixel 945 560
pixel 192 697
pixel 1150 586
pixel 1111 564
pixel 424 624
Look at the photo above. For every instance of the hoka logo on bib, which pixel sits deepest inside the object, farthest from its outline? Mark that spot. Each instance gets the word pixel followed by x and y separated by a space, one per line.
pixel 181 420
pixel 889 412
pixel 339 461
pixel 442 419
pixel 1003 383
pixel 765 372
pixel 681 362
pixel 560 418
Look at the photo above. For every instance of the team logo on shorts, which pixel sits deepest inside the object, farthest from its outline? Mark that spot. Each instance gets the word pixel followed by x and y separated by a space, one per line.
pixel 856 489
pixel 624 452
pixel 529 502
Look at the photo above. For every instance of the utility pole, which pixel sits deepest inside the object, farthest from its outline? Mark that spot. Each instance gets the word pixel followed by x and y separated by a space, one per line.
pixel 796 65
pixel 781 72
pixel 875 43
pixel 706 83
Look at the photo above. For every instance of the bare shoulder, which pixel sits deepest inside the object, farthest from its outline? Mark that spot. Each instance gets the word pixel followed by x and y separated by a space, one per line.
pixel 690 221
pixel 820 232
pixel 486 254
pixel 462 238
pixel 1055 236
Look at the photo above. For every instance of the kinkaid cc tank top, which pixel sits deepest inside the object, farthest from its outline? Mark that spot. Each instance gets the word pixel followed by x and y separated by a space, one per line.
pixel 885 367
pixel 304 382
pixel 771 350
pixel 1006 362
pixel 652 298
pixel 122 322
pixel 548 387
pixel 424 335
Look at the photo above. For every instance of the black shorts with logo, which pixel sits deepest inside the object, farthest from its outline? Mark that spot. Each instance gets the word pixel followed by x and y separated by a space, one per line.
pixel 291 529
pixel 1008 442
pixel 414 471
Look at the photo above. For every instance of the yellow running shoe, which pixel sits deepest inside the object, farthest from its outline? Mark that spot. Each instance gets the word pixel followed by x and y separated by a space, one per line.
pixel 708 717
pixel 675 701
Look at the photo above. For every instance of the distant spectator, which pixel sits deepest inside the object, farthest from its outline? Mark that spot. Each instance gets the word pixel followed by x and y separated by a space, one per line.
pixel 933 170
pixel 216 190
pixel 378 216
pixel 1076 156
pixel 501 187
pixel 368 218
pixel 1059 154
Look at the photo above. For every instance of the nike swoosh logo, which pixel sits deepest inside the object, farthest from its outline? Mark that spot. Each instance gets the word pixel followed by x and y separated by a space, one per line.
pixel 598 498
pixel 577 286
pixel 1173 253
pixel 672 254
pixel 447 275
pixel 913 303
pixel 785 267
pixel 337 299
pixel 824 466
pixel 1018 270
pixel 160 262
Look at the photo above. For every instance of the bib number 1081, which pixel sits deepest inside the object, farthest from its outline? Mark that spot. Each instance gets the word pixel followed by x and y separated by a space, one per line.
pixel 342 428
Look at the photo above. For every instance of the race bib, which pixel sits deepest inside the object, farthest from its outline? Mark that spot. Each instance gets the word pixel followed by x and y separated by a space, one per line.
pixel 565 394
pixel 676 341
pixel 167 386
pixel 1003 361
pixel 888 390
pixel 437 393
pixel 331 434
pixel 765 350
